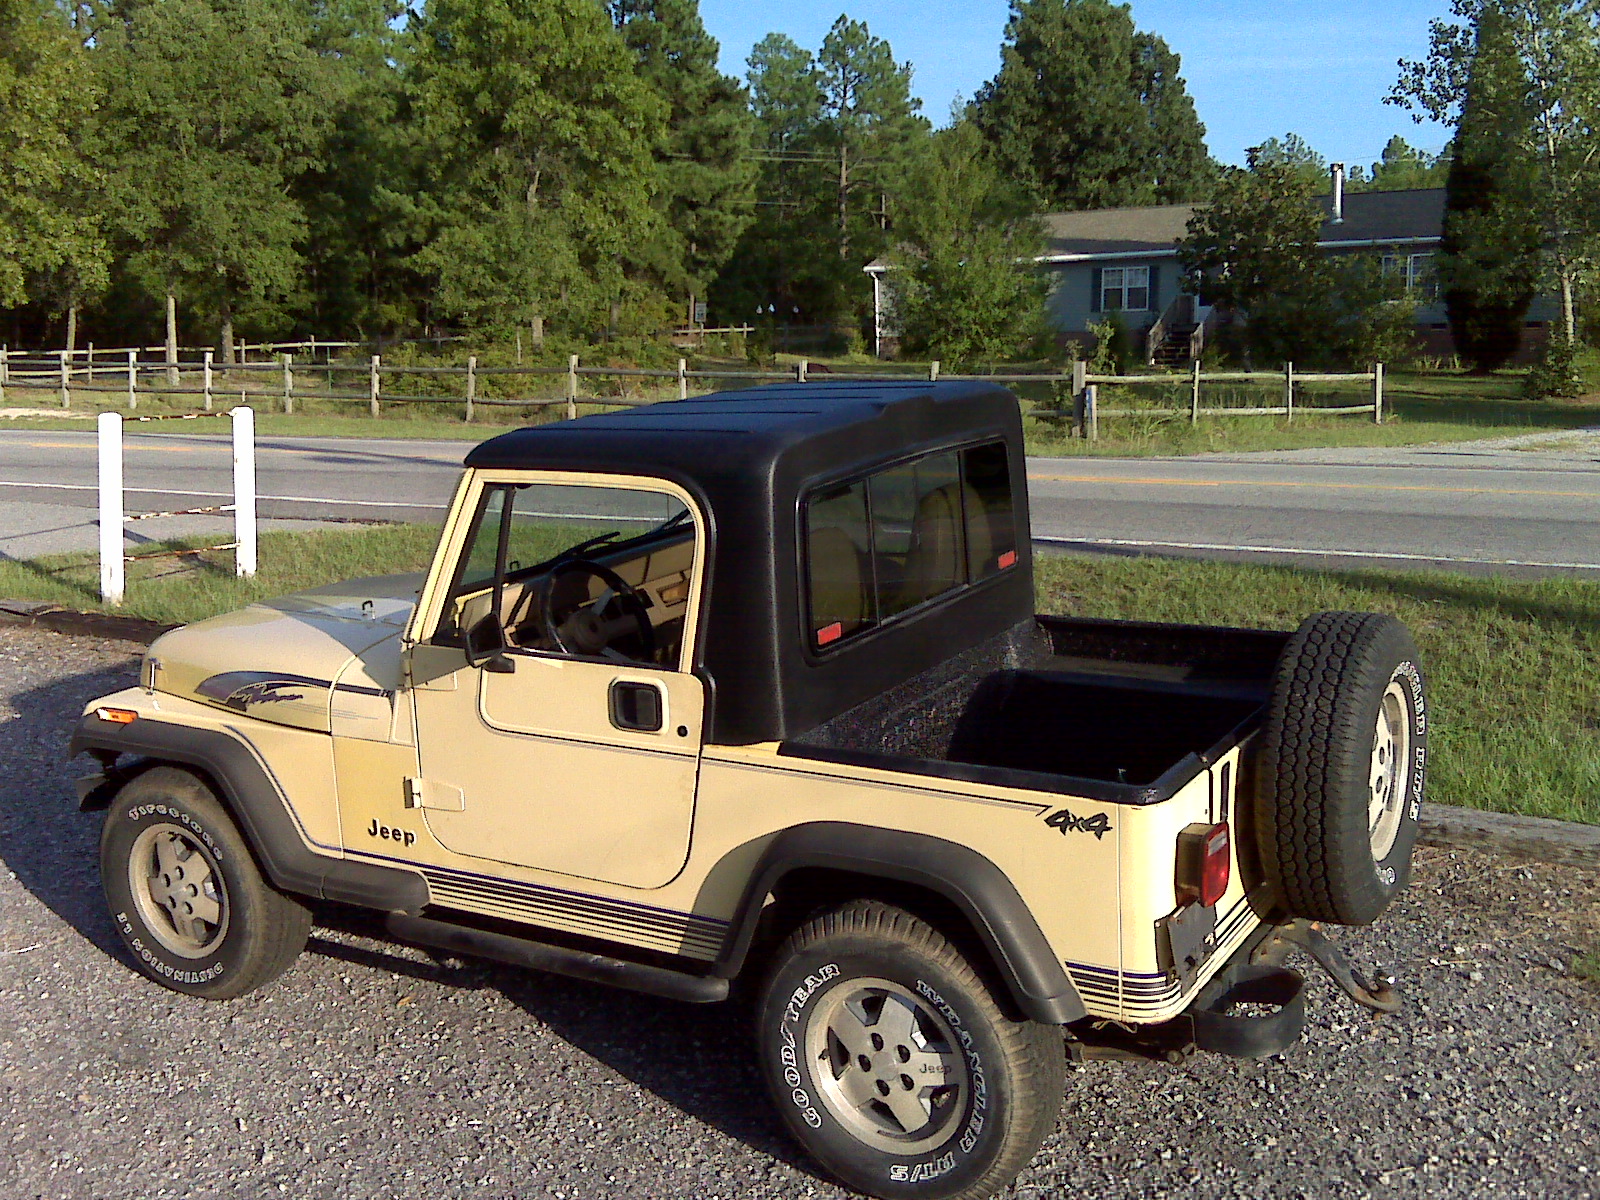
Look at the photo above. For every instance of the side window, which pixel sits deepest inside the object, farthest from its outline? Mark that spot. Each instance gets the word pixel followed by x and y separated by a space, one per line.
pixel 882 546
pixel 991 526
pixel 916 531
pixel 839 541
pixel 587 572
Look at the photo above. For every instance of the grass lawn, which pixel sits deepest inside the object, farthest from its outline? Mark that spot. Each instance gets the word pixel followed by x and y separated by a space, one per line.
pixel 1515 689
pixel 1510 662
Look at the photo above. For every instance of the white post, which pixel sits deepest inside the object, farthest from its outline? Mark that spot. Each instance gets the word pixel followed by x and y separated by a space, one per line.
pixel 111 563
pixel 66 379
pixel 133 379
pixel 1288 391
pixel 572 387
pixel 205 380
pixel 372 382
pixel 244 491
pixel 288 383
pixel 800 369
pixel 1377 393
pixel 472 381
pixel 89 358
pixel 933 371
pixel 5 371
pixel 683 379
pixel 1091 412
pixel 1194 396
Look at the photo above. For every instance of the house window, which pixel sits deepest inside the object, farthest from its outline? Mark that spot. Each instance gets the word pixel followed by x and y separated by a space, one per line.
pixel 1415 271
pixel 881 546
pixel 1125 289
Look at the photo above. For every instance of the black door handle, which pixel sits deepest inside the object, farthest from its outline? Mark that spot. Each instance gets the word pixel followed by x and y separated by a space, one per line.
pixel 636 706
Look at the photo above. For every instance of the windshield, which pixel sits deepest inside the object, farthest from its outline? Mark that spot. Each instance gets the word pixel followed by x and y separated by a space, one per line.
pixel 553 521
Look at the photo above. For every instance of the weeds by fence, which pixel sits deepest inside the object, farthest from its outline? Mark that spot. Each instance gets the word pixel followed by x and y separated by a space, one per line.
pixel 1073 396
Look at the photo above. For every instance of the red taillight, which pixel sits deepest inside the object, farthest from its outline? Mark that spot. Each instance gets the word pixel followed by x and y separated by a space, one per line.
pixel 1203 863
pixel 1214 864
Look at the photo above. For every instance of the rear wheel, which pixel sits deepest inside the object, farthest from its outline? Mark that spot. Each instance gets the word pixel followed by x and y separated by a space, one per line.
pixel 892 1063
pixel 186 895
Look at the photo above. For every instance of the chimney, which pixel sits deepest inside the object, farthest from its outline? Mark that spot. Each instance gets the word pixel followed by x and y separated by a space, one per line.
pixel 1338 193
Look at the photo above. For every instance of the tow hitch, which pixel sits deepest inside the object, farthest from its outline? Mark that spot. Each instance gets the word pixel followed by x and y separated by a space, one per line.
pixel 1377 993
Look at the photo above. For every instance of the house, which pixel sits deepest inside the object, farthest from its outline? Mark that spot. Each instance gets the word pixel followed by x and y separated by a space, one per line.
pixel 1125 261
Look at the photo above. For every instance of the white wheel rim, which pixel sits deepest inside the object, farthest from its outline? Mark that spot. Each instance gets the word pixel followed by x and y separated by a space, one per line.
pixel 887 1065
pixel 1390 776
pixel 177 888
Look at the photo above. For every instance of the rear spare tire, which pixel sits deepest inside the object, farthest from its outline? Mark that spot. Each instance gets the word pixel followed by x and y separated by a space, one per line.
pixel 1340 777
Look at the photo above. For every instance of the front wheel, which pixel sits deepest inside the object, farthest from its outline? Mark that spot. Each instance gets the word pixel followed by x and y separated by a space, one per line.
pixel 892 1063
pixel 186 895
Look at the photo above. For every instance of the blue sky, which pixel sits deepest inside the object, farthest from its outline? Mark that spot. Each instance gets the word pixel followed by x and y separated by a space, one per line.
pixel 1256 68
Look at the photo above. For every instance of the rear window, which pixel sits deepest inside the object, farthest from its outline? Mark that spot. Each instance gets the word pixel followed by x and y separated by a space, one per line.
pixel 889 543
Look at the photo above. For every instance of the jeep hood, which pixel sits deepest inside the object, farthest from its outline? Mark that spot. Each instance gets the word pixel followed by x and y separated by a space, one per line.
pixel 316 659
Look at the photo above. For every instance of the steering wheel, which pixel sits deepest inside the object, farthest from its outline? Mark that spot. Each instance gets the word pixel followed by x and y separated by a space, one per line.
pixel 575 624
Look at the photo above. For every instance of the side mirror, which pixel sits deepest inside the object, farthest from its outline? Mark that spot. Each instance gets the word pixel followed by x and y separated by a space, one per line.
pixel 494 659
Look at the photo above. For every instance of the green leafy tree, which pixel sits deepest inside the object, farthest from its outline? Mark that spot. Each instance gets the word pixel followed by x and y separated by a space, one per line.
pixel 1556 47
pixel 707 177
pixel 965 286
pixel 49 228
pixel 540 137
pixel 214 109
pixel 1091 112
pixel 359 197
pixel 1488 263
pixel 1255 248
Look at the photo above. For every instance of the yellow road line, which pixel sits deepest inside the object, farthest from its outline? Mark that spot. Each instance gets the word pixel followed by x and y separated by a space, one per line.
pixel 1287 483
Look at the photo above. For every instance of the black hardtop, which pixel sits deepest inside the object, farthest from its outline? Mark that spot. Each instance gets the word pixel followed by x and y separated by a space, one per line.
pixel 749 457
pixel 763 426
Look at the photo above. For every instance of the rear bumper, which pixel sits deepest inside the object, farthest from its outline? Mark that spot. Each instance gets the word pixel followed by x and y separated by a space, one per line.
pixel 1209 1023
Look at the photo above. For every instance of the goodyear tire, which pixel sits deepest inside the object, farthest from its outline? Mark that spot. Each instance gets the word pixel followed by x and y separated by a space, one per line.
pixel 1341 774
pixel 891 1062
pixel 186 895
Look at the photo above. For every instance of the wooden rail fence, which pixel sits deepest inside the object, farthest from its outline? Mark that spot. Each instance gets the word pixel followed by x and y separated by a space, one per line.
pixel 288 379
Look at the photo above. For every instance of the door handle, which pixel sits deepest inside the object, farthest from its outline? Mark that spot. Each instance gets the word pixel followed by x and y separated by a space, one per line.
pixel 637 706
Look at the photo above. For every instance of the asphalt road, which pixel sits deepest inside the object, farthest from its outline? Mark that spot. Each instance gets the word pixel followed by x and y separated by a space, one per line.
pixel 372 1070
pixel 1482 507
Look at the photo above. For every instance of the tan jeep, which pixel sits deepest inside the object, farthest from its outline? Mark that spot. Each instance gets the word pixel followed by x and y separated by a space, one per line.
pixel 751 687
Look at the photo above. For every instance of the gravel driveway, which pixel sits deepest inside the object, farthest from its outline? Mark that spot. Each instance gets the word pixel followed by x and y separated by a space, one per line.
pixel 372 1070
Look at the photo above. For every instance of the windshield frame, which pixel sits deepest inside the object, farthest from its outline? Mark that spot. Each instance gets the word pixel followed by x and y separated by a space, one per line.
pixel 467 513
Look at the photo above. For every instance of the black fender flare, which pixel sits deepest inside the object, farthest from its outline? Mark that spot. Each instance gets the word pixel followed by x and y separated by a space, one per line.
pixel 981 891
pixel 256 801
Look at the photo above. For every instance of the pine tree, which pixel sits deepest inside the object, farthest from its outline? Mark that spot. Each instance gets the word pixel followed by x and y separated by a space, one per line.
pixel 869 118
pixel 1404 167
pixel 1092 113
pixel 707 195
pixel 1295 153
pixel 832 130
